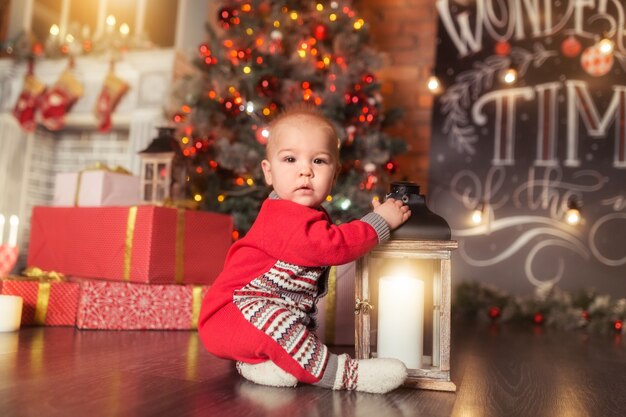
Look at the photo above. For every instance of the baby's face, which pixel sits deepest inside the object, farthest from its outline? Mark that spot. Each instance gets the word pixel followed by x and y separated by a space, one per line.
pixel 301 164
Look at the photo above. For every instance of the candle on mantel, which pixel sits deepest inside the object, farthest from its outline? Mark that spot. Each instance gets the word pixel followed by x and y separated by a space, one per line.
pixel 110 21
pixel 14 222
pixel 10 312
pixel 401 319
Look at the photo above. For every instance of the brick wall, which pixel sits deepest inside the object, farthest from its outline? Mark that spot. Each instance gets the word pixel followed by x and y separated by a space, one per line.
pixel 405 31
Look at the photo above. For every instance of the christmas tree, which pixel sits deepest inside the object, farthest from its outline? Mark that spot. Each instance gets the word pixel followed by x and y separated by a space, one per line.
pixel 260 57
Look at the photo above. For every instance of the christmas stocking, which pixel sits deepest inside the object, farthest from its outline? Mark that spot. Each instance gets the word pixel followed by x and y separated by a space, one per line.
pixel 112 92
pixel 24 110
pixel 58 100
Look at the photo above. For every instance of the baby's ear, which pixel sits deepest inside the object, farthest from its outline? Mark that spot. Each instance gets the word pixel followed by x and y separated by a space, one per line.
pixel 337 172
pixel 267 171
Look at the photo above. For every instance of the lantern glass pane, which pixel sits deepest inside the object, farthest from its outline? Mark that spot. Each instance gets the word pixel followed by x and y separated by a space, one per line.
pixel 162 170
pixel 160 192
pixel 398 286
pixel 148 172
pixel 147 192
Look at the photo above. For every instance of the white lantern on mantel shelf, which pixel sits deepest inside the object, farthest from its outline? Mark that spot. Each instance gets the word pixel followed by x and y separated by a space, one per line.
pixel 402 295
pixel 163 169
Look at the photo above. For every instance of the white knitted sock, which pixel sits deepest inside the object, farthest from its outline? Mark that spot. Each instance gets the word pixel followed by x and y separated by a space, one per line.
pixel 266 373
pixel 377 376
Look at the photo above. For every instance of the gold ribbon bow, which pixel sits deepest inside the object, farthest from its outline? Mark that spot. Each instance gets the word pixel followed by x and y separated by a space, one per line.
pixel 45 278
pixel 34 273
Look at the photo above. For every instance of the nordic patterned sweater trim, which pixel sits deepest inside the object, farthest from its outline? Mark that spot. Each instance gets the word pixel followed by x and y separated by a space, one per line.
pixel 279 303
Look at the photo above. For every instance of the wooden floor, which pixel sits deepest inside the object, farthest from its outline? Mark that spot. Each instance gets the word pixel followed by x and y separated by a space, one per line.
pixel 505 371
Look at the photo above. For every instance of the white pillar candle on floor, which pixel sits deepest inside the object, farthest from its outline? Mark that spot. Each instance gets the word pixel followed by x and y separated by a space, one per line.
pixel 10 312
pixel 401 319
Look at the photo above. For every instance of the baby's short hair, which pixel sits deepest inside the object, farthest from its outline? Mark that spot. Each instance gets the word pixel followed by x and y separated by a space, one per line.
pixel 304 112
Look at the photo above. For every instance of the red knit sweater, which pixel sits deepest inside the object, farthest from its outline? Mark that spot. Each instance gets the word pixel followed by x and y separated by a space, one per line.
pixel 287 232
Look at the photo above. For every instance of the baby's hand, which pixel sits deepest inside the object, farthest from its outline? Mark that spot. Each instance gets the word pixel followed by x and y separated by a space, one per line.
pixel 393 211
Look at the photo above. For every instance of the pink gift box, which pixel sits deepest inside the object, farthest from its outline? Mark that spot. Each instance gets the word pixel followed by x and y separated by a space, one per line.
pixel 97 188
pixel 128 306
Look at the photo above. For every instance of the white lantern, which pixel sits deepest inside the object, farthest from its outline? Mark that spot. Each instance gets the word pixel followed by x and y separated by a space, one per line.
pixel 163 170
pixel 403 292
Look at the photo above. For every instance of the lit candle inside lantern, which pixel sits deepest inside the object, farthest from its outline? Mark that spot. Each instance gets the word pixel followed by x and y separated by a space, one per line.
pixel 1 228
pixel 401 319
pixel 10 312
pixel 13 225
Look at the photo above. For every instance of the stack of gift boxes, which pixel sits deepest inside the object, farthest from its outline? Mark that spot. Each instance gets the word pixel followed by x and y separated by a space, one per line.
pixel 106 262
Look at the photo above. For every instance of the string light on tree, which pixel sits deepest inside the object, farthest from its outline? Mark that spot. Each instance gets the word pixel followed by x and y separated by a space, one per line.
pixel 272 55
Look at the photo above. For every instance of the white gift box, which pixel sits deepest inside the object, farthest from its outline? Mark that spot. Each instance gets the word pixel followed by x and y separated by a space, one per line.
pixel 97 188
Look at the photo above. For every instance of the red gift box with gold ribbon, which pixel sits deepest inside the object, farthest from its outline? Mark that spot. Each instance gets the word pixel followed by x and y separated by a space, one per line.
pixel 49 300
pixel 147 244
pixel 129 306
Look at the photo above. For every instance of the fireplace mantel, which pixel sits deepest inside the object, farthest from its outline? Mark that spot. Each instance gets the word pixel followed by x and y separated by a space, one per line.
pixel 30 160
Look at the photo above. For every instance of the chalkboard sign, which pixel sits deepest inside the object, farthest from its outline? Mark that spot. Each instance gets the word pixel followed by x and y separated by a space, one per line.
pixel 522 153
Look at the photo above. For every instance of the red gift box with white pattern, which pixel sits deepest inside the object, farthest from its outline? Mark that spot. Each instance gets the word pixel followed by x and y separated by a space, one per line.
pixel 129 306
pixel 148 244
pixel 45 303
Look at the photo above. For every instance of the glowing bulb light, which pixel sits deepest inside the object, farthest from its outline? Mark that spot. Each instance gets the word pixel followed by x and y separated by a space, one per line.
pixel 477 217
pixel 606 46
pixel 434 86
pixel 510 76
pixel 572 216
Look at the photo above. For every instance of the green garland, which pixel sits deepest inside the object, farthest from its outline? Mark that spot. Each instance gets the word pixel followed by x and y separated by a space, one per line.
pixel 549 306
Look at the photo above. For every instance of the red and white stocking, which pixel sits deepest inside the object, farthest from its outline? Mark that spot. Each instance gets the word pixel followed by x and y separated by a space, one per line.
pixel 27 102
pixel 59 99
pixel 112 92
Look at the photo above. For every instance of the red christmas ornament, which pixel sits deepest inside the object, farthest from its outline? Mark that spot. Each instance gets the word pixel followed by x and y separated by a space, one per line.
pixel 538 318
pixel 595 62
pixel 618 325
pixel 502 48
pixel 494 312
pixel 571 47
pixel 320 32
pixel 585 315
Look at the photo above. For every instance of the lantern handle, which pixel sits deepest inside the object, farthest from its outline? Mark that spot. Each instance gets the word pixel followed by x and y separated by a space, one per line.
pixel 362 306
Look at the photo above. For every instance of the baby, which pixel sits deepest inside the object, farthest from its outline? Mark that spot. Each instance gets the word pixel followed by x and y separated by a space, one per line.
pixel 259 312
